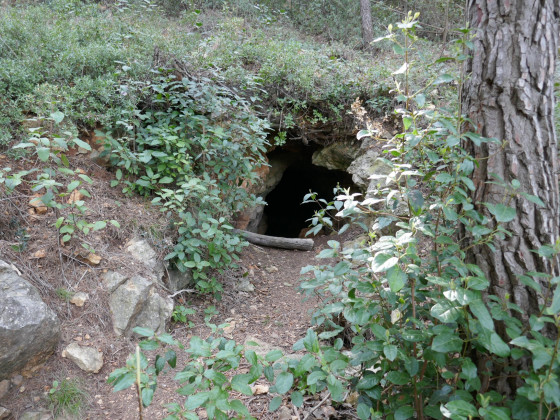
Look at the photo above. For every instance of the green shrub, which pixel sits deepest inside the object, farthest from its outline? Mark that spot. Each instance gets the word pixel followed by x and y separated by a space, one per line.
pixel 192 146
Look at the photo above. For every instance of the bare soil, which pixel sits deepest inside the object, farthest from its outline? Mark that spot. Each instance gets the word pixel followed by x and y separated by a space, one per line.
pixel 276 312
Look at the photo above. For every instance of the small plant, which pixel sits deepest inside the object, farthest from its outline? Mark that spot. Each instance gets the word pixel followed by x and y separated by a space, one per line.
pixel 180 314
pixel 64 294
pixel 67 397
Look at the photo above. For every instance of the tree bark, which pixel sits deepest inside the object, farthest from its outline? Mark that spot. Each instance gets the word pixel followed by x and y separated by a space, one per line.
pixel 509 96
pixel 367 26
pixel 276 242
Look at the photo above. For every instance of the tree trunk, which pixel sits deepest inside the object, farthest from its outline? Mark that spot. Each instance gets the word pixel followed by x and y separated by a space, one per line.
pixel 367 26
pixel 509 96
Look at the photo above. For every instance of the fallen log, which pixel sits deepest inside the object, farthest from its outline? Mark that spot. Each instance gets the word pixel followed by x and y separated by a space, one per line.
pixel 276 242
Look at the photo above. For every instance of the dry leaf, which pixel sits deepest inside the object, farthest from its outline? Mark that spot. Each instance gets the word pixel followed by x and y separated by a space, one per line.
pixel 38 205
pixel 42 253
pixel 260 389
pixel 94 259
pixel 75 196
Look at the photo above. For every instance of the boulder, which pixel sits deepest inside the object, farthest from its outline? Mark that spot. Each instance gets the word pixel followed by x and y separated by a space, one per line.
pixel 178 280
pixel 29 330
pixel 366 166
pixel 5 413
pixel 126 303
pixel 112 280
pixel 142 252
pixel 155 313
pixel 88 359
pixel 336 156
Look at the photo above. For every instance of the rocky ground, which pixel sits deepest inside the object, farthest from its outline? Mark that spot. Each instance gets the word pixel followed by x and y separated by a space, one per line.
pixel 260 302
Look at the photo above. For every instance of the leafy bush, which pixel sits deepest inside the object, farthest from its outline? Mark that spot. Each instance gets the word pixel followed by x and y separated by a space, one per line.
pixel 192 146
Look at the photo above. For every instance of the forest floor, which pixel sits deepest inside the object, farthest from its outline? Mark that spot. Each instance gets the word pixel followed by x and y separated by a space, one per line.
pixel 275 314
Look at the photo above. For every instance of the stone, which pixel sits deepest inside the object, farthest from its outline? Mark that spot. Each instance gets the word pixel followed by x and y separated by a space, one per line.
pixel 368 165
pixel 88 359
pixel 17 380
pixel 336 156
pixel 4 413
pixel 112 280
pixel 245 286
pixel 79 299
pixel 178 280
pixel 142 252
pixel 284 413
pixel 29 329
pixel 271 269
pixel 4 388
pixel 155 313
pixel 35 415
pixel 126 303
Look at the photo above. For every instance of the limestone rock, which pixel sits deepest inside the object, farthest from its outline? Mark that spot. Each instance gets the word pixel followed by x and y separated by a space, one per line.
pixel 5 413
pixel 4 388
pixel 112 280
pixel 245 286
pixel 35 415
pixel 365 166
pixel 336 156
pixel 178 280
pixel 155 313
pixel 88 359
pixel 126 303
pixel 29 330
pixel 142 252
pixel 79 299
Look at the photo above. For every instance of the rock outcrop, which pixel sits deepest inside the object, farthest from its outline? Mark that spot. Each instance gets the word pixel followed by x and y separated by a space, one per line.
pixel 29 329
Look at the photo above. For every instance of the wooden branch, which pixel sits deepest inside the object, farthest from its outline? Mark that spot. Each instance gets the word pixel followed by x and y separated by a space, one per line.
pixel 277 242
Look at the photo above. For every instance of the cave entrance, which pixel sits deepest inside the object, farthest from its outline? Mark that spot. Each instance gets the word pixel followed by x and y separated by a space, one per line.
pixel 285 215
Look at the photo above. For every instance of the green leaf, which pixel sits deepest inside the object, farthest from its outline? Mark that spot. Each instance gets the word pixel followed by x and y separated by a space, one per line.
pixel 398 378
pixel 404 412
pixel 335 387
pixel 100 224
pixel 396 278
pixel 479 310
pixel 273 355
pixel 445 311
pixel 240 384
pixel 81 144
pixel 316 376
pixel 502 213
pixel 390 351
pixel 196 400
pixel 297 398
pixel 495 413
pixel 363 411
pixel 166 180
pixel 57 117
pixel 554 307
pixel 124 382
pixel 73 185
pixel 43 153
pixel 447 342
pixel 275 403
pixel 461 408
pixel 284 382
pixel 382 262
pixel 144 332
pixel 444 78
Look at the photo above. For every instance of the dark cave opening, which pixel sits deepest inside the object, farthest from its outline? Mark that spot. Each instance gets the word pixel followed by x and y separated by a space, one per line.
pixel 285 215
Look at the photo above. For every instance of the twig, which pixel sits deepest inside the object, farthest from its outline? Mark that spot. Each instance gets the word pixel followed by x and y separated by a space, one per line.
pixel 296 412
pixel 181 291
pixel 317 406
